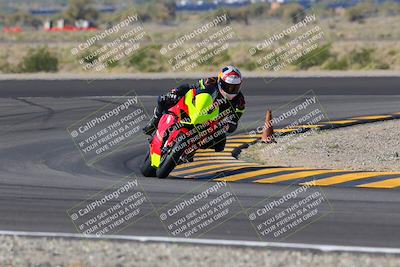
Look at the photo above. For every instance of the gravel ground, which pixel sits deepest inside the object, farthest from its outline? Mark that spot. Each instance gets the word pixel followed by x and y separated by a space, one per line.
pixel 24 251
pixel 366 147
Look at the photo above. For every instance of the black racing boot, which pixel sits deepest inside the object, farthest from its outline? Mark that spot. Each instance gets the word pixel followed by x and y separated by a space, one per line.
pixel 219 144
pixel 153 123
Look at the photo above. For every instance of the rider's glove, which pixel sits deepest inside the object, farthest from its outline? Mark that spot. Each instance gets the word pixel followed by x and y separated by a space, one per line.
pixel 172 96
pixel 168 100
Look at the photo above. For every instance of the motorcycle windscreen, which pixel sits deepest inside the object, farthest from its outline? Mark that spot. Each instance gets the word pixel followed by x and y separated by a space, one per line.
pixel 200 108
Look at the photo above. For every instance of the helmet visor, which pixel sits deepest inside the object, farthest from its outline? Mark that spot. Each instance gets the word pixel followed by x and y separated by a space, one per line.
pixel 230 88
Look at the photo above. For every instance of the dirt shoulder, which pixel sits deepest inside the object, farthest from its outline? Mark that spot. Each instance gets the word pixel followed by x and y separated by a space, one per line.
pixel 367 147
pixel 24 251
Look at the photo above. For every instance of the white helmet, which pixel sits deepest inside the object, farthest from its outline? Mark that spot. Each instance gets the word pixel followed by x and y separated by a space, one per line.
pixel 229 81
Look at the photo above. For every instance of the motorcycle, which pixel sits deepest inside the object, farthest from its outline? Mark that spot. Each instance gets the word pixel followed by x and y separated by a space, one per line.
pixel 195 122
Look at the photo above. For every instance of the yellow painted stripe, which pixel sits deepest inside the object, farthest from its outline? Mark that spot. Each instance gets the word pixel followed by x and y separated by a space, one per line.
pixel 283 130
pixel 389 183
pixel 297 175
pixel 212 150
pixel 249 140
pixel 216 154
pixel 241 176
pixel 340 122
pixel 308 126
pixel 378 117
pixel 240 136
pixel 235 138
pixel 233 145
pixel 197 163
pixel 201 159
pixel 208 167
pixel 244 136
pixel 349 177
pixel 238 167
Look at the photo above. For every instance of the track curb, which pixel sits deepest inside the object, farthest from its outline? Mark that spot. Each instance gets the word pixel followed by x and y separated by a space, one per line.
pixel 220 166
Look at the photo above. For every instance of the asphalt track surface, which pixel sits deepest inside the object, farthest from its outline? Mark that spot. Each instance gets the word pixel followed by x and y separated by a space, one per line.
pixel 42 173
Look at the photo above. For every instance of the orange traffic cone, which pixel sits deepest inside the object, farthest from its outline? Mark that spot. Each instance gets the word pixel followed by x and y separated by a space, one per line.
pixel 268 132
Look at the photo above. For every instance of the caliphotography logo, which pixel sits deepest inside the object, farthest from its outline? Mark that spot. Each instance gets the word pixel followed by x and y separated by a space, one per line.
pixel 199 133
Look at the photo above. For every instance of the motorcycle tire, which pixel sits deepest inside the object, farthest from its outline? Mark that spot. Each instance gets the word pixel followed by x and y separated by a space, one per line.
pixel 145 167
pixel 170 161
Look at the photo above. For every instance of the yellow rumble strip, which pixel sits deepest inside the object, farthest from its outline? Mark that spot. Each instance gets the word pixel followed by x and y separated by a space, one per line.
pixel 249 140
pixel 242 176
pixel 242 136
pixel 307 126
pixel 284 130
pixel 202 159
pixel 234 168
pixel 389 183
pixel 212 150
pixel 296 175
pixel 197 163
pixel 349 177
pixel 233 145
pixel 212 154
pixel 341 122
pixel 206 163
pixel 209 167
pixel 380 117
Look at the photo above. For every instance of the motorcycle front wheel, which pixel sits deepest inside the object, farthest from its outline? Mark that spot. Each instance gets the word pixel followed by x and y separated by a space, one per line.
pixel 171 159
pixel 145 168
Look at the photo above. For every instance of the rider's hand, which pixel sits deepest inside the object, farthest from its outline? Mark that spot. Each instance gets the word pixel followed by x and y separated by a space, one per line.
pixel 172 96
pixel 169 99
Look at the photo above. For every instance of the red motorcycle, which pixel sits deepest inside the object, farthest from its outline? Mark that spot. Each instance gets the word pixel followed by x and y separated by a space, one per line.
pixel 193 123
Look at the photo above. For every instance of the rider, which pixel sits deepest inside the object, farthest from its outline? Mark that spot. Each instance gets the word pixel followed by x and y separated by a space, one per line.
pixel 227 87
